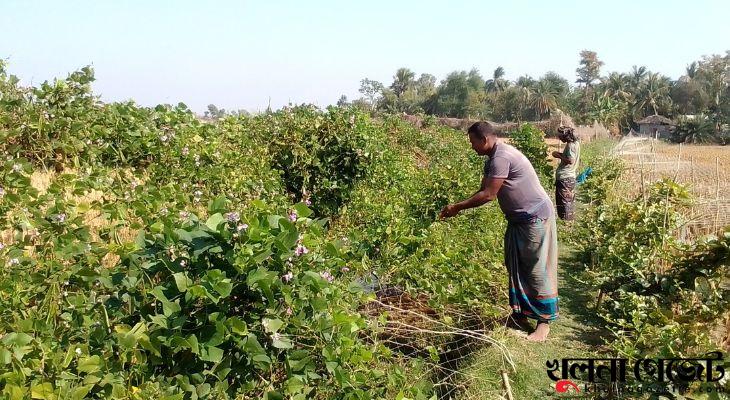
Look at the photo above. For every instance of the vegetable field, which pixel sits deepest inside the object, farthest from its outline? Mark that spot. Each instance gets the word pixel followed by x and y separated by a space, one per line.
pixel 147 254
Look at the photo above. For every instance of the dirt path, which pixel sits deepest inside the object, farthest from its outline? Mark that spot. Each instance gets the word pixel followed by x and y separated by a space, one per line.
pixel 575 333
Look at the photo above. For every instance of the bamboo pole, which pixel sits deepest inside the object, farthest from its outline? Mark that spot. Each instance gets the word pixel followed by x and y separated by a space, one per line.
pixel 679 162
pixel 641 175
pixel 717 194
pixel 507 387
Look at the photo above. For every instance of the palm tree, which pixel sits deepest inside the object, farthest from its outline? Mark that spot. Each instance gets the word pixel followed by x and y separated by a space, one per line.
pixel 616 86
pixel 654 94
pixel 544 98
pixel 403 79
pixel 497 83
pixel 637 76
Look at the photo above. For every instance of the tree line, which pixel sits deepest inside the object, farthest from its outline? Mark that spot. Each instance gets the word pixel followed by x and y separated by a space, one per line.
pixel 698 101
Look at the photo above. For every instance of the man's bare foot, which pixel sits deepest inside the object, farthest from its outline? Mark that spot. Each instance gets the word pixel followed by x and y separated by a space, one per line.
pixel 541 332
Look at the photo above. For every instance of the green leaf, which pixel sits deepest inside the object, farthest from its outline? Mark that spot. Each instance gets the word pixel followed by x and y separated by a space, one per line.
pixel 272 325
pixel 5 356
pixel 80 393
pixel 218 205
pixel 89 364
pixel 273 396
pixel 214 221
pixel 182 281
pixel 274 220
pixel 19 339
pixel 212 354
pixel 302 210
pixel 282 343
pixel 237 326
pixel 14 392
pixel 42 391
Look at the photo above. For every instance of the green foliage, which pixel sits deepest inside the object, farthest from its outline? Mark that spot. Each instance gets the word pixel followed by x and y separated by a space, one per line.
pixel 661 293
pixel 320 155
pixel 698 129
pixel 166 257
pixel 530 140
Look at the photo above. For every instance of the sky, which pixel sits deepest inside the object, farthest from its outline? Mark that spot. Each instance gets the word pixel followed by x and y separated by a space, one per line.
pixel 247 55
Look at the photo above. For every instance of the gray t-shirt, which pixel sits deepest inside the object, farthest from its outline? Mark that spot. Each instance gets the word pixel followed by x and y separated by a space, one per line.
pixel 521 197
pixel 568 171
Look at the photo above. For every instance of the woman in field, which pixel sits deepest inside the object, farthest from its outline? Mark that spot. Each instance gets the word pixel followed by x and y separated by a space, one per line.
pixel 565 174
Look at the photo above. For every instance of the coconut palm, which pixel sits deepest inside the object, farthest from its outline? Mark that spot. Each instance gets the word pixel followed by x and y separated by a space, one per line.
pixel 403 79
pixel 616 86
pixel 653 94
pixel 497 83
pixel 543 98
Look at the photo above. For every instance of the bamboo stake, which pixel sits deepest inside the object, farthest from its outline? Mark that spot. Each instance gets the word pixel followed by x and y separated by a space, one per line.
pixel 641 173
pixel 717 194
pixel 679 161
pixel 507 387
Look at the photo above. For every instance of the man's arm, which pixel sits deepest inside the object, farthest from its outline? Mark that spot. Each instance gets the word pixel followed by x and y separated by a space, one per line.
pixel 488 192
pixel 565 159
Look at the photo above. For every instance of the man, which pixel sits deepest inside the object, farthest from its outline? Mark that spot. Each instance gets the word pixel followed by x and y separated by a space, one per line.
pixel 530 242
pixel 565 182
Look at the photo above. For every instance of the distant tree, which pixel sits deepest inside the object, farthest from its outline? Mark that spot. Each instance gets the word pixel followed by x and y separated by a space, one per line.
pixel 372 90
pixel 699 129
pixel 460 95
pixel 689 96
pixel 589 70
pixel 425 86
pixel 402 81
pixel 653 96
pixel 214 112
pixel 544 98
pixel 558 82
pixel 342 102
pixel 497 83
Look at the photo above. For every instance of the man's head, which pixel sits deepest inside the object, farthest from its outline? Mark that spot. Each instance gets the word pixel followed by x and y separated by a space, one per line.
pixel 483 137
pixel 566 134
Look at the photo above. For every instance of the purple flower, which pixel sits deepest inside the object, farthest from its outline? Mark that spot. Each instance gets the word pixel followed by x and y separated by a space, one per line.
pixel 345 269
pixel 327 276
pixel 293 216
pixel 2 192
pixel 300 250
pixel 242 227
pixel 288 276
pixel 308 202
pixel 233 217
pixel 14 261
pixel 184 215
pixel 59 218
pixel 2 246
pixel 185 151
pixel 289 311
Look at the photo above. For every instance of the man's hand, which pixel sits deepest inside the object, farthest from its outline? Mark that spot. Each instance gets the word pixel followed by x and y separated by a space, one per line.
pixel 449 211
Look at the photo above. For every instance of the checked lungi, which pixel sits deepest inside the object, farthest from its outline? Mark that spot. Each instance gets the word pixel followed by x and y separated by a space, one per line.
pixel 531 256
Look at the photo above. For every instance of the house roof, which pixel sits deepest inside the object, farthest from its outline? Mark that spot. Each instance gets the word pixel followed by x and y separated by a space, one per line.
pixel 656 119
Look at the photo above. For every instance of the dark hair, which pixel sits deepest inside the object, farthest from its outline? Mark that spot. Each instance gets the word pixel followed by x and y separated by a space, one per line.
pixel 481 129
pixel 568 133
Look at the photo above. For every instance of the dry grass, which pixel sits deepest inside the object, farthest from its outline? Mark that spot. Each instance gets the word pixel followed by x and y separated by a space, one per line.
pixel 93 218
pixel 705 170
